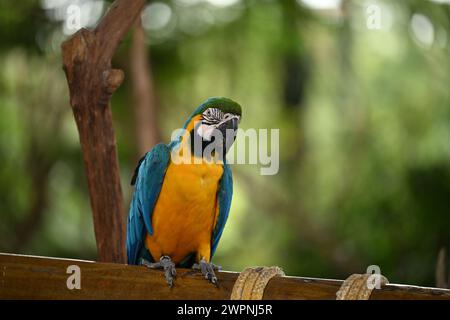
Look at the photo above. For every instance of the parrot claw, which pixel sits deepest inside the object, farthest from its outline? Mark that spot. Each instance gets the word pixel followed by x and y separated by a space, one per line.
pixel 207 270
pixel 196 266
pixel 166 264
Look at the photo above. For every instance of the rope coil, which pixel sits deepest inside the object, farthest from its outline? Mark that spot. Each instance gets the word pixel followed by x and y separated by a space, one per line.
pixel 252 281
pixel 356 287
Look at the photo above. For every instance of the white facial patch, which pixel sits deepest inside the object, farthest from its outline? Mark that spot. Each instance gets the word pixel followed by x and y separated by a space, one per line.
pixel 205 131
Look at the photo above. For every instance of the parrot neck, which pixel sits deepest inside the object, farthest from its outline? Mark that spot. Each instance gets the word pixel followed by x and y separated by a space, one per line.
pixel 190 153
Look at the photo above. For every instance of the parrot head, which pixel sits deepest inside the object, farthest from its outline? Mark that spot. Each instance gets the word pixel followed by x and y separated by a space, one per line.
pixel 216 124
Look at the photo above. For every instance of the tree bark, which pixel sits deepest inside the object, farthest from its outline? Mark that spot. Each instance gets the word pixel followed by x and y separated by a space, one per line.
pixel 145 102
pixel 87 63
pixel 441 277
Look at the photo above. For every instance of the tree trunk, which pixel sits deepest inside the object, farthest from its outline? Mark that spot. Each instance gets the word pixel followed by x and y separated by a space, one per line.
pixel 87 63
pixel 145 102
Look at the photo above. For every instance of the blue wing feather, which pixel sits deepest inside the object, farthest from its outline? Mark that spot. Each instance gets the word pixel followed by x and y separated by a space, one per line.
pixel 148 179
pixel 224 195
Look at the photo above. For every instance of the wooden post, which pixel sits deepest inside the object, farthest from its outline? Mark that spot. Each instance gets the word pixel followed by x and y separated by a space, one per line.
pixel 87 63
pixel 26 277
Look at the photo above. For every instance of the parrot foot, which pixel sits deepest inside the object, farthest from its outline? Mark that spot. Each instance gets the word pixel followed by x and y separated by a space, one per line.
pixel 196 266
pixel 166 264
pixel 207 270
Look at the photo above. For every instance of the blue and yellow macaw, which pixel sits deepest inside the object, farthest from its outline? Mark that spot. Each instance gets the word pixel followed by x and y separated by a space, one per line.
pixel 179 208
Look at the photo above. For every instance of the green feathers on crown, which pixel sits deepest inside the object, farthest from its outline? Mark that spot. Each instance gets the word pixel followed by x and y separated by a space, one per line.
pixel 226 105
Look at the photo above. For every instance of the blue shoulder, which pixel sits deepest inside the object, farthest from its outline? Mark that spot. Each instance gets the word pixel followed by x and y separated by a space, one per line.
pixel 148 179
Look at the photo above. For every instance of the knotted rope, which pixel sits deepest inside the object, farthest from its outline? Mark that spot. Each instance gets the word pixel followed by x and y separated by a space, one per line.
pixel 356 287
pixel 252 281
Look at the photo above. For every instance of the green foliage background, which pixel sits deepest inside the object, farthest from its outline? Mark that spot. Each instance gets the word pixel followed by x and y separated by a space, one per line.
pixel 364 119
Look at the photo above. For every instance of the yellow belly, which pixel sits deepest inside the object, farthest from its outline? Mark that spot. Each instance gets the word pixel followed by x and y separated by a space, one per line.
pixel 185 213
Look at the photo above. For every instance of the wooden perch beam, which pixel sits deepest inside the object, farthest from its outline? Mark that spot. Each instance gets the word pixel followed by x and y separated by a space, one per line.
pixel 87 63
pixel 27 277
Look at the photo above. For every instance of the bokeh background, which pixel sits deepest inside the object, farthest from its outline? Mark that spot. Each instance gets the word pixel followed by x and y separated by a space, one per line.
pixel 363 113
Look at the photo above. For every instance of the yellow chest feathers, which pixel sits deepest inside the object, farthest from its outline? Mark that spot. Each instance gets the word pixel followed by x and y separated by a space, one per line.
pixel 193 181
pixel 185 213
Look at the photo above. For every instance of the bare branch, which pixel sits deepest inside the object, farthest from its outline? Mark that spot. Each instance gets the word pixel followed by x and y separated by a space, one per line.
pixel 87 63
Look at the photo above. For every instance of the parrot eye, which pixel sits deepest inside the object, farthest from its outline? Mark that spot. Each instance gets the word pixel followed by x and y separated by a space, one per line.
pixel 212 116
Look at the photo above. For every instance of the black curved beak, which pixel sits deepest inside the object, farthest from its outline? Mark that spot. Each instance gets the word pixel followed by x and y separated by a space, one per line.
pixel 231 124
pixel 228 130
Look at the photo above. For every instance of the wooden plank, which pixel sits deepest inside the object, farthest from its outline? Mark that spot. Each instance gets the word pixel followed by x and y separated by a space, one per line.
pixel 30 277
